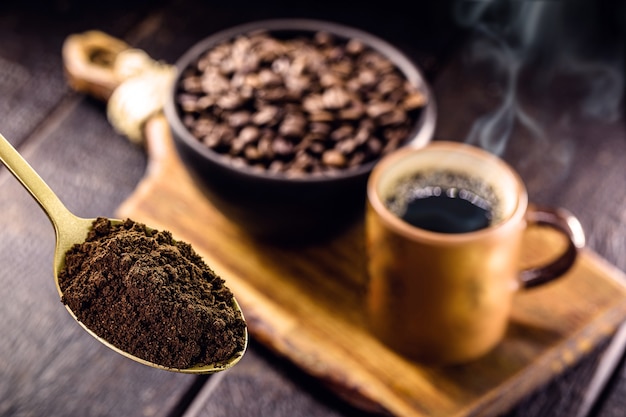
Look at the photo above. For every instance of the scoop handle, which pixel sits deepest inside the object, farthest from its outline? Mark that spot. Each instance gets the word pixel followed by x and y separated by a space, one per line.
pixel 134 86
pixel 89 62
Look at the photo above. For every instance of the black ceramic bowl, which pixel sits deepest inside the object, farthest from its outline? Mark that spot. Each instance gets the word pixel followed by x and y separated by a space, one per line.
pixel 276 205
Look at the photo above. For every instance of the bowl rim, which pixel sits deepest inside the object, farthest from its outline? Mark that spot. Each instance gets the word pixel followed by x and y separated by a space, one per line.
pixel 421 134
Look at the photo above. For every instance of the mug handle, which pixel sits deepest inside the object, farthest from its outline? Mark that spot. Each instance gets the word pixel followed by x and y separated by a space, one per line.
pixel 567 224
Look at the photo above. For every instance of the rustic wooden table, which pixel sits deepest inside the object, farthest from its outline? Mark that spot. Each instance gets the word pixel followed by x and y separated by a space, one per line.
pixel 551 105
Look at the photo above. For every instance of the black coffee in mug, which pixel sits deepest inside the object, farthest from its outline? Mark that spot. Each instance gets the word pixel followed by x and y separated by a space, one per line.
pixel 444 202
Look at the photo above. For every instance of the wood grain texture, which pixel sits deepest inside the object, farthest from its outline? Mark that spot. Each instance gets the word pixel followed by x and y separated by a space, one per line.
pixel 306 304
pixel 32 82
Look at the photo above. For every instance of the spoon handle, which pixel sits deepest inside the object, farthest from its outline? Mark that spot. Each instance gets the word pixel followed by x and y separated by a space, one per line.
pixel 34 184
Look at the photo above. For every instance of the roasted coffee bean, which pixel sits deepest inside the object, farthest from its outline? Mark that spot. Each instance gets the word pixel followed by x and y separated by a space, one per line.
pixel 342 132
pixel 187 103
pixel 354 47
pixel 395 117
pixel 249 134
pixel 218 136
pixel 239 118
pixel 213 83
pixel 204 103
pixel 334 158
pixel 321 116
pixel 330 79
pixel 346 146
pixel 276 166
pixel 354 112
pixel 374 146
pixel 378 108
pixel 414 100
pixel 193 84
pixel 363 134
pixel 313 103
pixel 229 101
pixel 357 159
pixel 302 106
pixel 335 98
pixel 389 84
pixel 293 125
pixel 320 128
pixel 323 38
pixel 265 144
pixel 297 85
pixel 317 147
pixel 265 115
pixel 268 78
pixel 252 153
pixel 282 147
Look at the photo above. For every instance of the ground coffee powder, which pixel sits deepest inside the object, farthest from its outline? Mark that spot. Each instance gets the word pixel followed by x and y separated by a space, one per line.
pixel 151 296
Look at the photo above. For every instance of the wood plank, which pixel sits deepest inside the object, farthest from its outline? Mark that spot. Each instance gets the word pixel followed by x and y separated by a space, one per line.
pixel 32 82
pixel 305 304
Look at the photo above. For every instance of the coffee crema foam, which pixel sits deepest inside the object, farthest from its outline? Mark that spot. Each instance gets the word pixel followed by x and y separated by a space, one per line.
pixel 436 183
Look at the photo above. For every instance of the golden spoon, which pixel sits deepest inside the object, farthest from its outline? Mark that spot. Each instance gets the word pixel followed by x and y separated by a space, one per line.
pixel 70 230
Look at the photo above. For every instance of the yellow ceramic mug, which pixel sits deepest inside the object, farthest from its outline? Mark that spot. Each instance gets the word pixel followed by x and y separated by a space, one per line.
pixel 444 295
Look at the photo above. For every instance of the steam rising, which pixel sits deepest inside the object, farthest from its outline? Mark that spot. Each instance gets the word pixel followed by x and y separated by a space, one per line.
pixel 552 40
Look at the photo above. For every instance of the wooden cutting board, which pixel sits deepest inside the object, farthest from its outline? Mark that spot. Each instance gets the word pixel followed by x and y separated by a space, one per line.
pixel 306 304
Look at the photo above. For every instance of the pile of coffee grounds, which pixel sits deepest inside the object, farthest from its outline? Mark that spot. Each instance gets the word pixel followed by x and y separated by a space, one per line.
pixel 151 296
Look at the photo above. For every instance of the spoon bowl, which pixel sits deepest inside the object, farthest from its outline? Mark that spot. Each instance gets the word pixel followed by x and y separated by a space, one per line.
pixel 71 230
